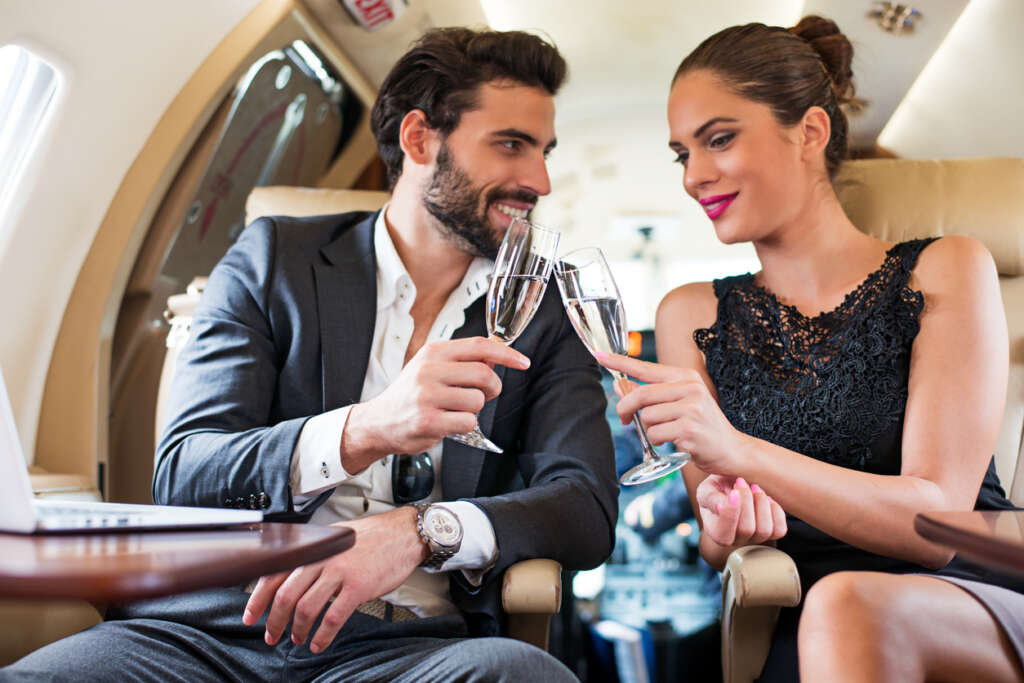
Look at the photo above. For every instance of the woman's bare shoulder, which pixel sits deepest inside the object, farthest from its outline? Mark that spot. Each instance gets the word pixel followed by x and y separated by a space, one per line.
pixel 692 305
pixel 955 255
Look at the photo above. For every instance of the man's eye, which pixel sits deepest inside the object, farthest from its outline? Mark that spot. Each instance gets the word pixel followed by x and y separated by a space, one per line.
pixel 510 145
pixel 721 140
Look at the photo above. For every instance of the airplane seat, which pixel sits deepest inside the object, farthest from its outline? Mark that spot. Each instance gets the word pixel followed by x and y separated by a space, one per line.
pixel 898 200
pixel 532 589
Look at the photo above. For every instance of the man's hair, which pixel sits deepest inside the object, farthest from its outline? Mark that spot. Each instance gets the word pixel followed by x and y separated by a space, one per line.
pixel 441 76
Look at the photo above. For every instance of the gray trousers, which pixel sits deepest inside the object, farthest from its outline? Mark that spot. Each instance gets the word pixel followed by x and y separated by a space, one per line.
pixel 201 637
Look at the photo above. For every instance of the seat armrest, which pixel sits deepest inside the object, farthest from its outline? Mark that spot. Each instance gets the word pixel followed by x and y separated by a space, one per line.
pixel 761 575
pixel 530 593
pixel 757 581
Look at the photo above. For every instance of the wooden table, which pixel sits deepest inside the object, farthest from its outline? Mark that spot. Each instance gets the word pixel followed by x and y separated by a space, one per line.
pixel 994 538
pixel 126 566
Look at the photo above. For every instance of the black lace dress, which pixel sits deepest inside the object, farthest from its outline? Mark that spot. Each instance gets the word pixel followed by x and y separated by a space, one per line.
pixel 832 387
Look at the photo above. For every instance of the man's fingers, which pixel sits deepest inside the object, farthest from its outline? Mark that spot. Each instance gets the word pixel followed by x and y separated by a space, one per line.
pixel 310 605
pixel 334 618
pixel 261 597
pixel 476 375
pixel 459 399
pixel 287 595
pixel 486 351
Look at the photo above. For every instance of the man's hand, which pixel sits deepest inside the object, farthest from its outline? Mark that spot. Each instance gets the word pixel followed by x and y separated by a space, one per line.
pixel 387 550
pixel 439 392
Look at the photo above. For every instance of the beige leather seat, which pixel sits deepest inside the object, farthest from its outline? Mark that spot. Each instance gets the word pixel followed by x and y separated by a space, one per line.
pixel 532 590
pixel 897 200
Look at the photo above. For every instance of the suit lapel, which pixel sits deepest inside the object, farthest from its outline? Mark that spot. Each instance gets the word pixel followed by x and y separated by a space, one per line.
pixel 461 464
pixel 346 294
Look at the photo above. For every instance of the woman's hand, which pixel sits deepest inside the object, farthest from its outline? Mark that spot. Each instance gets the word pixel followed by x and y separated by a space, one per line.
pixel 736 514
pixel 676 405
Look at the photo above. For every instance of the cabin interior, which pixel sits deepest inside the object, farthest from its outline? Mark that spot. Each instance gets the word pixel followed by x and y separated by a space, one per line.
pixel 132 136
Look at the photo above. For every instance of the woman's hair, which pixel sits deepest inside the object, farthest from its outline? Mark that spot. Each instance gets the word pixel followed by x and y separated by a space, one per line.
pixel 441 76
pixel 790 70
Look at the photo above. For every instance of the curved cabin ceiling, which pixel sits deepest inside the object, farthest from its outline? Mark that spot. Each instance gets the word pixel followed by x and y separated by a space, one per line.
pixel 949 88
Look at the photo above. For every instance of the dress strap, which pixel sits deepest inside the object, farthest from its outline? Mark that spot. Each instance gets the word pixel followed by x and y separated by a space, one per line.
pixel 908 252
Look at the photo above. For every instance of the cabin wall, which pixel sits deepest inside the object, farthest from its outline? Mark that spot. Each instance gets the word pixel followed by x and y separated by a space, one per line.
pixel 968 100
pixel 122 63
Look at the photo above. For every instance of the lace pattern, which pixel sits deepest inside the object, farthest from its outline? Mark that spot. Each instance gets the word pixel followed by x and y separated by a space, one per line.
pixel 832 386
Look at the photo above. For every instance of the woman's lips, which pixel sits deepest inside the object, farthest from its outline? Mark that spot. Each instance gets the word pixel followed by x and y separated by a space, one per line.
pixel 715 206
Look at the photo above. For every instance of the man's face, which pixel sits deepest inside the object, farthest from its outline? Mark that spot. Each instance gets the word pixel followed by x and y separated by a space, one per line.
pixel 492 167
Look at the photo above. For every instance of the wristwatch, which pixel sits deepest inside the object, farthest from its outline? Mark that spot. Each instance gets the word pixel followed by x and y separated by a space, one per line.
pixel 441 530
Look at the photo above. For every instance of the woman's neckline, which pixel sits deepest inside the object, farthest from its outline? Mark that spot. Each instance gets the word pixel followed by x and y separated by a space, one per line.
pixel 847 300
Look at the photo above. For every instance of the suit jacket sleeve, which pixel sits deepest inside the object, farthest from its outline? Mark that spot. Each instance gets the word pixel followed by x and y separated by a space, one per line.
pixel 568 505
pixel 224 443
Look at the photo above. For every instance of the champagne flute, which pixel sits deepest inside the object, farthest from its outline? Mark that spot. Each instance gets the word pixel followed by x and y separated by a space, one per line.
pixel 595 309
pixel 520 276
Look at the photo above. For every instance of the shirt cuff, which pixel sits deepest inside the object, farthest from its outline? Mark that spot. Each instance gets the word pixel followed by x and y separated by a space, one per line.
pixel 479 549
pixel 316 460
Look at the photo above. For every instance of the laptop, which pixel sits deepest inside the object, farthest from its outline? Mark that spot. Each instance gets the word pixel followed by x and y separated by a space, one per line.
pixel 20 512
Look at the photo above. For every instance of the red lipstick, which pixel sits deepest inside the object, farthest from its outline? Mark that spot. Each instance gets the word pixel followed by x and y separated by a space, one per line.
pixel 716 205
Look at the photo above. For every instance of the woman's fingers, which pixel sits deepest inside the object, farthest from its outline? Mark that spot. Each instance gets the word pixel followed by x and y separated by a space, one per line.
pixel 779 526
pixel 765 523
pixel 747 524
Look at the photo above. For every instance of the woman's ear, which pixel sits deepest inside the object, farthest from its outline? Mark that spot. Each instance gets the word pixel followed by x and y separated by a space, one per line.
pixel 416 137
pixel 815 131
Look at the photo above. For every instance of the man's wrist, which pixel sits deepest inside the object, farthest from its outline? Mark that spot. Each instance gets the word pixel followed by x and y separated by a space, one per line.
pixel 360 445
pixel 420 547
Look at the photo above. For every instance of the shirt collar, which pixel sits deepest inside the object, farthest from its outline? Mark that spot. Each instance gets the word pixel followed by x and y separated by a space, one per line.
pixel 390 269
pixel 391 272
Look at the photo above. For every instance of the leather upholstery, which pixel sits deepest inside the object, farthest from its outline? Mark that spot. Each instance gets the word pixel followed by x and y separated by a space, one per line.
pixel 897 200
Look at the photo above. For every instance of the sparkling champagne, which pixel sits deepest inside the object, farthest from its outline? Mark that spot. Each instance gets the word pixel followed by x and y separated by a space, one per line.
pixel 600 322
pixel 513 301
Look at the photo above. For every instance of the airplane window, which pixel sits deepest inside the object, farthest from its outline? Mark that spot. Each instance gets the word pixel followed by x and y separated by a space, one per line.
pixel 27 87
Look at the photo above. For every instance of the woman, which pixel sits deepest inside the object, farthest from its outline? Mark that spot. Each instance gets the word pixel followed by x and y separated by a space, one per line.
pixel 856 381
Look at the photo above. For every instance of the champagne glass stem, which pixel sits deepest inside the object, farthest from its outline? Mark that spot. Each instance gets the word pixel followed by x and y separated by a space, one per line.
pixel 645 443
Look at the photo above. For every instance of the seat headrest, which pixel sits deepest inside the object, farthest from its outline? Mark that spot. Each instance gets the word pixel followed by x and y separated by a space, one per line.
pixel 309 201
pixel 899 199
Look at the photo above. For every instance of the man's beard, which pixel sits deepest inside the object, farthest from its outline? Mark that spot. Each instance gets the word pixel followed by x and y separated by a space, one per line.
pixel 461 207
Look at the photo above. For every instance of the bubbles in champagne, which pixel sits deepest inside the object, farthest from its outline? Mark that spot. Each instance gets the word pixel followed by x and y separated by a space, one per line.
pixel 600 323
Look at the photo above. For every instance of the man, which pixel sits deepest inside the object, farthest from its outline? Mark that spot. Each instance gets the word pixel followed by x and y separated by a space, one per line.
pixel 328 360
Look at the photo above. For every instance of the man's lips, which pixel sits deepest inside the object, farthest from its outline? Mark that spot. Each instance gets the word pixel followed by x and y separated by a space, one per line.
pixel 716 205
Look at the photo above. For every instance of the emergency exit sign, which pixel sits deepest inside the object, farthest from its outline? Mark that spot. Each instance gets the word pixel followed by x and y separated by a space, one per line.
pixel 374 14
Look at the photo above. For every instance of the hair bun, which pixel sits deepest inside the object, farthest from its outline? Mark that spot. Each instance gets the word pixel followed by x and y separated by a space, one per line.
pixel 835 50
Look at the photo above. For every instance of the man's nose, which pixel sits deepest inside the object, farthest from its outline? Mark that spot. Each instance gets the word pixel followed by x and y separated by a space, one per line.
pixel 535 176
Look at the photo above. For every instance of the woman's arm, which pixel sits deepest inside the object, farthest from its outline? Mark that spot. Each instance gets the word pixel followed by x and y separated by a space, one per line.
pixel 731 512
pixel 957 390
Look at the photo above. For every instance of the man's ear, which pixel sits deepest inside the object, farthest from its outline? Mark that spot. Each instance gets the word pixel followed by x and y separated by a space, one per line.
pixel 815 131
pixel 416 138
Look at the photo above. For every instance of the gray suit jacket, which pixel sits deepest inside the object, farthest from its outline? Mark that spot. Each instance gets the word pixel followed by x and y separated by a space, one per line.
pixel 283 332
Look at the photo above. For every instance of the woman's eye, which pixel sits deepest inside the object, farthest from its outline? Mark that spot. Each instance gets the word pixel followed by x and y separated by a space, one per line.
pixel 681 158
pixel 721 140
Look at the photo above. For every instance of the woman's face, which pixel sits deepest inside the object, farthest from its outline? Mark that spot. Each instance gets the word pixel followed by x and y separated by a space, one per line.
pixel 739 163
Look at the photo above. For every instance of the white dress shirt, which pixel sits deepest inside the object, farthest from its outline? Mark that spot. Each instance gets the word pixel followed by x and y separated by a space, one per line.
pixel 316 463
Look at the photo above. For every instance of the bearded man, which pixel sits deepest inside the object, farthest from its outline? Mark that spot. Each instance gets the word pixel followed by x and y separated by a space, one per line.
pixel 329 358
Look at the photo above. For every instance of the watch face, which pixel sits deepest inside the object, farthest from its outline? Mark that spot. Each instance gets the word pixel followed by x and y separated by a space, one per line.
pixel 442 526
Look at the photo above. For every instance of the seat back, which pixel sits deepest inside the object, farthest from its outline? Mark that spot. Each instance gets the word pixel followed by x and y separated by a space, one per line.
pixel 262 201
pixel 897 200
